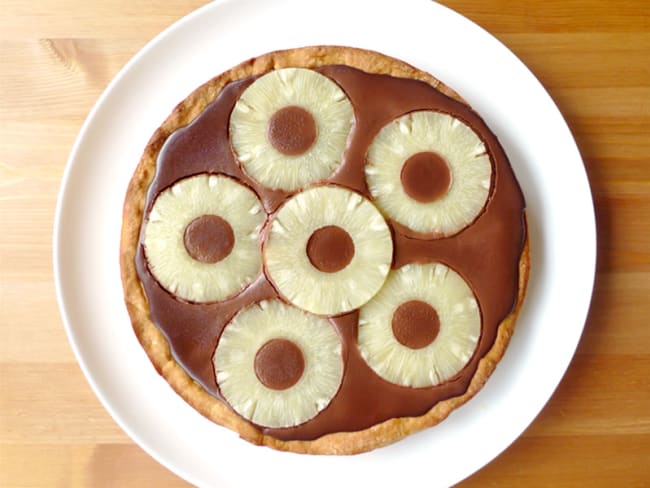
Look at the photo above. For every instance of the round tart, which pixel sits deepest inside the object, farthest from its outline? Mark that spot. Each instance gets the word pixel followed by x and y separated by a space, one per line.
pixel 325 250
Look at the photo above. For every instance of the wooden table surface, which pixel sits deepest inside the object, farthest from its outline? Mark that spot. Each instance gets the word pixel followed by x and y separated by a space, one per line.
pixel 57 56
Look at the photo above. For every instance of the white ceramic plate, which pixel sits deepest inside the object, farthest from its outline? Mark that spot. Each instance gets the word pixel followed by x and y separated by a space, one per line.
pixel 425 34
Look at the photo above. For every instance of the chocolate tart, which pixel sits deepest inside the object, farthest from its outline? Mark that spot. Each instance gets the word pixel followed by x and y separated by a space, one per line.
pixel 181 332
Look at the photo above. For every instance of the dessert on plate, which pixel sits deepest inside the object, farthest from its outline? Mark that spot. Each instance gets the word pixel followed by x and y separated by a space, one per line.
pixel 324 249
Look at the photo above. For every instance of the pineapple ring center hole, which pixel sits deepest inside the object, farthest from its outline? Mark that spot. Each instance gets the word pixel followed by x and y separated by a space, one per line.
pixel 209 239
pixel 279 364
pixel 292 130
pixel 415 324
pixel 426 176
pixel 330 249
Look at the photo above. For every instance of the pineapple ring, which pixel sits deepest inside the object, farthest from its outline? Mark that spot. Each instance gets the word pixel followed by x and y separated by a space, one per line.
pixel 301 282
pixel 235 357
pixel 164 238
pixel 446 137
pixel 267 96
pixel 459 326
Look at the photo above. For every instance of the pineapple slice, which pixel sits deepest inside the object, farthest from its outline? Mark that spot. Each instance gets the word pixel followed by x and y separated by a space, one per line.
pixel 422 327
pixel 289 128
pixel 430 172
pixel 329 250
pixel 278 366
pixel 201 238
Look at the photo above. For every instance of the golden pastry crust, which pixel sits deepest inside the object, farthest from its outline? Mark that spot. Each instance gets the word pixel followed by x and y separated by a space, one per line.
pixel 154 342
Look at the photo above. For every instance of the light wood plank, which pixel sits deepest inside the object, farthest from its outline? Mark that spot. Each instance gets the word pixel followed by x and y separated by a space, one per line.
pixel 500 16
pixel 138 20
pixel 622 216
pixel 115 18
pixel 30 326
pixel 584 401
pixel 69 75
pixel 574 461
pixel 82 466
pixel 614 458
pixel 614 59
pixel 614 324
pixel 51 403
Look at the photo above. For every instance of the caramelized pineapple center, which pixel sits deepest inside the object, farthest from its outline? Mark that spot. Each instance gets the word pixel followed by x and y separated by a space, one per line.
pixel 292 130
pixel 330 249
pixel 415 324
pixel 425 177
pixel 209 239
pixel 279 364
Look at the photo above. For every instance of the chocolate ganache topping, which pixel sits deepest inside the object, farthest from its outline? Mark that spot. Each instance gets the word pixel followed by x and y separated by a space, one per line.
pixel 486 253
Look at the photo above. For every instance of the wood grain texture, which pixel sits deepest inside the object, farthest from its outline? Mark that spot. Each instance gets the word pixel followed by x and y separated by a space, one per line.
pixel 593 56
